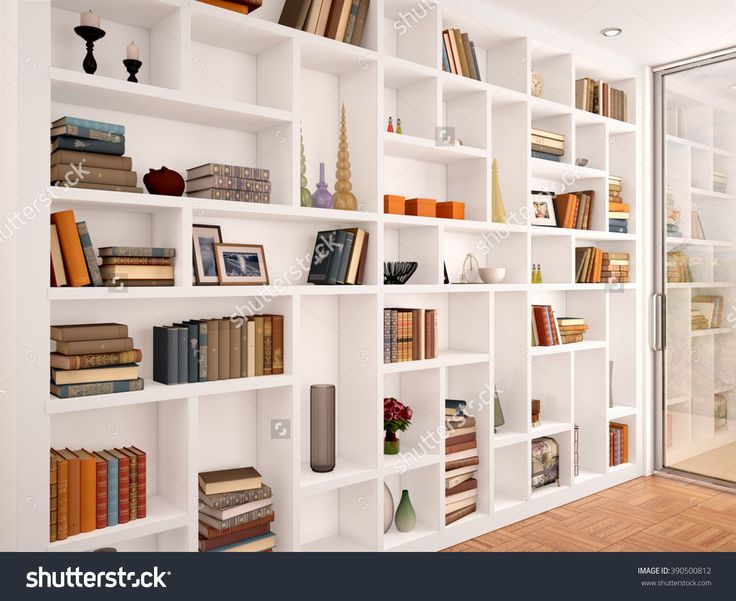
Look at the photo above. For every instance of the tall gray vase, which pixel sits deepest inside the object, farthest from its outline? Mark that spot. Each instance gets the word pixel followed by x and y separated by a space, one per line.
pixel 322 427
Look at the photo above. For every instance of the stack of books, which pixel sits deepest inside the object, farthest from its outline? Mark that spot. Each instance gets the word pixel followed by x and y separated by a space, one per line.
pixel 235 511
pixel 410 335
pixel 698 321
pixel 90 359
pixel 618 439
pixel 88 154
pixel 137 266
pixel 678 267
pixel 673 215
pixel 573 209
pixel 204 350
pixel 341 20
pixel 709 311
pixel 596 96
pixel 461 462
pixel 243 7
pixel 545 330
pixel 339 257
pixel 588 264
pixel 73 260
pixel 572 329
pixel 94 490
pixel 458 54
pixel 720 181
pixel 218 181
pixel 618 211
pixel 547 145
pixel 615 268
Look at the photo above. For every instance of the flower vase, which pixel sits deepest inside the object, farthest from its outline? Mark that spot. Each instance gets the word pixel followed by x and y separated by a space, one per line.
pixel 391 444
pixel 321 198
pixel 406 518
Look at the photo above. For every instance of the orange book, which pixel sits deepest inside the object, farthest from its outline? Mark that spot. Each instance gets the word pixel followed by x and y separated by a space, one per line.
pixel 72 491
pixel 87 491
pixel 565 206
pixel 618 206
pixel 234 6
pixel 71 248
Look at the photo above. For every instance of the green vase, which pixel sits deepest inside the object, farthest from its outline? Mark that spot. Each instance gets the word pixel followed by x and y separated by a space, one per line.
pixel 406 518
pixel 391 444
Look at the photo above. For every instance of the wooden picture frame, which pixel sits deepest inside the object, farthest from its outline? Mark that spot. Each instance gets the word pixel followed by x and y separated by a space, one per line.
pixel 542 207
pixel 205 267
pixel 235 261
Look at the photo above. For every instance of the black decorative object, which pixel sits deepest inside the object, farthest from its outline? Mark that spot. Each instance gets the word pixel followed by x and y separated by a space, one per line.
pixel 132 66
pixel 444 268
pixel 90 35
pixel 398 272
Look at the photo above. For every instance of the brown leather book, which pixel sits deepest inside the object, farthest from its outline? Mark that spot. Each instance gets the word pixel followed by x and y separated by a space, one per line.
pixel 277 365
pixel 114 177
pixel 142 475
pixel 93 347
pixel 236 337
pixel 100 491
pixel 53 496
pixel 71 248
pixel 228 5
pixel 72 461
pixel 213 345
pixel 454 440
pixel 132 482
pixel 461 52
pixel 62 496
pixel 458 463
pixel 91 159
pixel 258 319
pixel 207 544
pixel 243 347
pixel 223 353
pixel 267 345
pixel 87 490
pixel 469 484
pixel 363 259
pixel 207 531
pixel 463 446
pixel 460 513
pixel 357 36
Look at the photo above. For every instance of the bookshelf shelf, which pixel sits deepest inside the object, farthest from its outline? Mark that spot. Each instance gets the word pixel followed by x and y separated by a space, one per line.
pixel 710 332
pixel 447 358
pixel 393 464
pixel 619 411
pixel 422 149
pixel 585 345
pixel 346 473
pixel 393 538
pixel 548 428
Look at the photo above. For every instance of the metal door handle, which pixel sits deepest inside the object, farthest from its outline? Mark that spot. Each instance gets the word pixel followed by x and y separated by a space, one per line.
pixel 659 322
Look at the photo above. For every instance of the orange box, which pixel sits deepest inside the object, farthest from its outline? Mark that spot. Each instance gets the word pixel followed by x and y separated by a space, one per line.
pixel 421 207
pixel 451 210
pixel 394 204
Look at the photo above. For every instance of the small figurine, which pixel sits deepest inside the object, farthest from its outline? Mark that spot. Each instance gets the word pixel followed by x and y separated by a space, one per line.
pixel 398 126
pixel 390 125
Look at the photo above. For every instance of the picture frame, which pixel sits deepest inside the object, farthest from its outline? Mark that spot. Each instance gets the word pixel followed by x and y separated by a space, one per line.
pixel 241 264
pixel 204 239
pixel 542 207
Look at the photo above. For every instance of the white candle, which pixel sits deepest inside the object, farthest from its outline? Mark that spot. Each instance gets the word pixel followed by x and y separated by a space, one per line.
pixel 132 52
pixel 89 19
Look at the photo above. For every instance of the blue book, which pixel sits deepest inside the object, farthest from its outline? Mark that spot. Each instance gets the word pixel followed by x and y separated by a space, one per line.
pixel 537 154
pixel 112 487
pixel 475 59
pixel 192 335
pixel 445 60
pixel 618 229
pixel 84 145
pixel 89 124
pixel 257 543
pixel 89 254
pixel 68 391
pixel 455 404
pixel 345 257
pixel 351 22
pixel 336 250
pixel 618 222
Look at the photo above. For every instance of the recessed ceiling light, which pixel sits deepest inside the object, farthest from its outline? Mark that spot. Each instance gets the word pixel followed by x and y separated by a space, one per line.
pixel 611 32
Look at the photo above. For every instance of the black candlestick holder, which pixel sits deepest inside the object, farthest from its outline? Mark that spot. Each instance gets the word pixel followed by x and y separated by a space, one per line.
pixel 90 35
pixel 132 66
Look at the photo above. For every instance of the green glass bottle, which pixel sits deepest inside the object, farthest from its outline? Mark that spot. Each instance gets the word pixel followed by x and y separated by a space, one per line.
pixel 406 518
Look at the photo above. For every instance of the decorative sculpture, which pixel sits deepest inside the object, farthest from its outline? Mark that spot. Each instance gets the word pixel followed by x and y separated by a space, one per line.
pixel 306 197
pixel 343 198
pixel 498 211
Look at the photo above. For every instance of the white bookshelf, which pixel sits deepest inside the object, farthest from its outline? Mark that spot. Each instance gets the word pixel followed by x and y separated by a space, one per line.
pixel 218 86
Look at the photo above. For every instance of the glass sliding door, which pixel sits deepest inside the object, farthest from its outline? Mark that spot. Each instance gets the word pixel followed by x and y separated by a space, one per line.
pixel 696 239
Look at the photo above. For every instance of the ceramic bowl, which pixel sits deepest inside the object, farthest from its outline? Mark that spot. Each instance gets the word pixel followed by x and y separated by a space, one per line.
pixel 492 275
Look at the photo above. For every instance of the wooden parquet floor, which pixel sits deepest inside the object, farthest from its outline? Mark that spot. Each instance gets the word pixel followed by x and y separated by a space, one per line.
pixel 647 514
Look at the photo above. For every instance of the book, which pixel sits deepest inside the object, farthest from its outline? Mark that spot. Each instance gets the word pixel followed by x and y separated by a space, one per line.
pixel 251 350
pixel 233 5
pixel 93 175
pixel 467 51
pixel 91 159
pixel 223 170
pixel 165 355
pixel 464 495
pixel 234 195
pixel 213 345
pixel 454 506
pixel 206 531
pixel 201 351
pixel 98 125
pixel 223 353
pixel 452 464
pixel 227 182
pixel 112 486
pixel 58 275
pixel 135 251
pixel 232 499
pixel 62 496
pixel 182 353
pixel 351 21
pixel 86 145
pixel 234 511
pixel 123 484
pixel 251 545
pixel 95 374
pixel 453 448
pixel 267 345
pixel 466 484
pixel 92 347
pixel 229 480
pixel 258 340
pixel 53 497
pixel 475 60
pixel 209 544
pixel 77 131
pixel 310 23
pixel 360 20
pixel 137 261
pixel 132 482
pixel 86 332
pixel 445 59
pixel 336 29
pixel 100 491
pixel 447 45
pixel 89 254
pixel 87 490
pixel 75 263
pixel 536 154
pixel 235 349
pixel 465 71
pixel 547 134
pixel 143 272
pixel 105 187
pixel 454 516
pixel 67 391
pixel 192 350
pixel 136 283
pixel 294 13
pixel 277 344
pixel 345 252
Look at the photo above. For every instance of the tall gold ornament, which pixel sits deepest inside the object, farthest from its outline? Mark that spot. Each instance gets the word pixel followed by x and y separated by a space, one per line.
pixel 343 198
pixel 498 211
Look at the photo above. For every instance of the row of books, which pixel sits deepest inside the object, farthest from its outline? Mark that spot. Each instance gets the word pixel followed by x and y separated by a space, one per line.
pixel 707 311
pixel 74 262
pixel 89 154
pixel 461 461
pixel 235 511
pixel 339 257
pixel 720 181
pixel 547 145
pixel 596 96
pixel 678 267
pixel 574 209
pixel 409 335
pixel 94 490
pixel 594 266
pixel 696 225
pixel 618 211
pixel 204 350
pixel 91 359
pixel 618 444
pixel 341 20
pixel 218 181
pixel 547 330
pixel 458 54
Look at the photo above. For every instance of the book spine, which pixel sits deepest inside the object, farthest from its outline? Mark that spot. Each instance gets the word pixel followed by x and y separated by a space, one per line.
pixel 136 251
pixel 68 391
pixel 259 345
pixel 165 355
pixel 231 499
pixel 238 171
pixel 267 345
pixel 445 60
pixel 133 487
pixel 123 490
pixel 71 248
pixel 112 492
pixel 96 360
pixel 202 351
pixel 210 532
pixel 351 21
pixel 101 493
pixel 93 175
pixel 77 131
pixel 137 261
pixel 193 352
pixel 394 335
pixel 100 146
pixel 62 499
pixel 235 349
pixel 98 125
pixel 213 346
pixel 234 195
pixel 87 495
pixel 89 254
pixel 387 335
pixel 357 36
pixel 182 370
pixel 53 498
pixel 223 352
pixel 244 518
pixel 142 487
pixel 278 345
pixel 475 60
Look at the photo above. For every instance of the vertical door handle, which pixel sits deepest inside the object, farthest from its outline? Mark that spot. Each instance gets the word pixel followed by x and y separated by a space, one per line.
pixel 659 321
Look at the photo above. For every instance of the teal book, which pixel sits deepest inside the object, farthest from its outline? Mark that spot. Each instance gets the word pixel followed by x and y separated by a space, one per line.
pixel 90 124
pixel 445 61
pixel 112 487
pixel 345 258
pixel 68 391
pixel 351 22
pixel 89 254
pixel 263 542
pixel 85 145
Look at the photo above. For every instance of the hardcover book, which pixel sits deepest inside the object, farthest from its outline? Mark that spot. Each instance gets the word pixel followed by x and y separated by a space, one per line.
pixel 62 496
pixel 96 146
pixel 136 251
pixel 230 480
pixel 86 332
pixel 112 487
pixel 123 485
pixel 67 391
pixel 165 355
pixel 75 262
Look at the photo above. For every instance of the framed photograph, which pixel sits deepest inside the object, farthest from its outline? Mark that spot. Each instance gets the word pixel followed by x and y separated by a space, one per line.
pixel 241 264
pixel 204 238
pixel 543 209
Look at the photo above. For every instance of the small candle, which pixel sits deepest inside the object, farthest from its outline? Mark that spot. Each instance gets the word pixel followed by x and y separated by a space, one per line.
pixel 89 19
pixel 132 52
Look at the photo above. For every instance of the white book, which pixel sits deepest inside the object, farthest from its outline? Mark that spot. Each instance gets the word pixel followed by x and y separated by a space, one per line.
pixel 460 471
pixel 466 494
pixel 462 455
pixel 459 504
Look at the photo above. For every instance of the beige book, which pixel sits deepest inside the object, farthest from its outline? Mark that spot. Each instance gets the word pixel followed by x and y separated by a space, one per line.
pixel 221 481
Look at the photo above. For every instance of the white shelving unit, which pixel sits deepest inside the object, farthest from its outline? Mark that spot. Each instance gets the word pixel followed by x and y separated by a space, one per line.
pixel 218 86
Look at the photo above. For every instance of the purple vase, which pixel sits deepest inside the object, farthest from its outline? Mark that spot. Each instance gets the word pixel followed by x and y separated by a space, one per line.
pixel 322 198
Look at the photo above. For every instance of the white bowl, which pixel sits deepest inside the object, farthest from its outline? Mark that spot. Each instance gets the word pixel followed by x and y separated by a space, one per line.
pixel 492 275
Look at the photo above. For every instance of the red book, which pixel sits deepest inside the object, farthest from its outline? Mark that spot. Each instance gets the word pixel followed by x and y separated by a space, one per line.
pixel 101 489
pixel 141 480
pixel 123 485
pixel 543 325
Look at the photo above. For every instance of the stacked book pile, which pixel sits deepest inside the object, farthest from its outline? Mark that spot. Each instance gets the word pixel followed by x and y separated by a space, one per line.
pixel 217 181
pixel 89 154
pixel 618 211
pixel 572 329
pixel 339 257
pixel 235 511
pixel 698 321
pixel 137 266
pixel 341 20
pixel 673 215
pixel 678 267
pixel 720 181
pixel 90 359
pixel 409 335
pixel 547 145
pixel 94 490
pixel 545 330
pixel 73 260
pixel 573 209
pixel 707 311
pixel 204 350
pixel 594 266
pixel 461 462
pixel 618 440
pixel 596 96
pixel 243 7
pixel 615 268
pixel 458 54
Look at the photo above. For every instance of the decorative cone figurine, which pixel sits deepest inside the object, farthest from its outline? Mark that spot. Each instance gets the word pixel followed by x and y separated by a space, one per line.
pixel 343 198
pixel 498 211
pixel 322 199
pixel 398 126
pixel 390 128
pixel 305 194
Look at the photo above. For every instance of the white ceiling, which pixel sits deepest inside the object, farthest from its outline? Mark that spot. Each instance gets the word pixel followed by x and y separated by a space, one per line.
pixel 654 31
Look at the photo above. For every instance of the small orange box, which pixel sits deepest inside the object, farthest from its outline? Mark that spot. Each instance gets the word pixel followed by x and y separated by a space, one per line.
pixel 451 210
pixel 394 204
pixel 421 207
